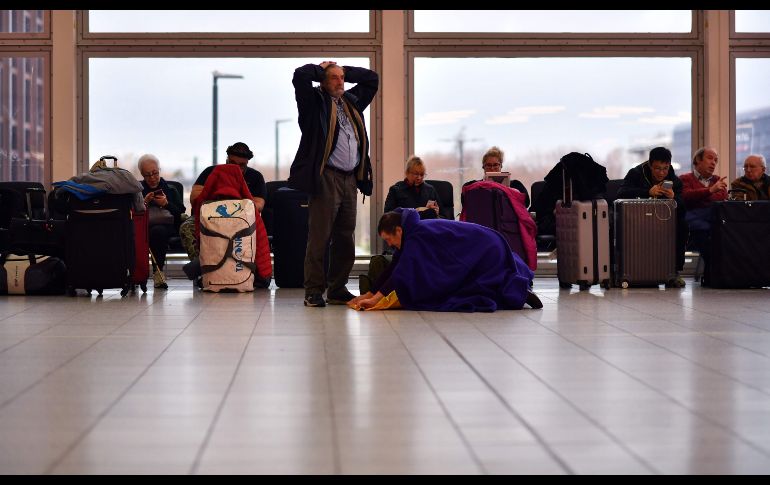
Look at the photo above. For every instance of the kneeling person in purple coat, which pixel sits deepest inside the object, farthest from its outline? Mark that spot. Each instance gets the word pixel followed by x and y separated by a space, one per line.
pixel 453 266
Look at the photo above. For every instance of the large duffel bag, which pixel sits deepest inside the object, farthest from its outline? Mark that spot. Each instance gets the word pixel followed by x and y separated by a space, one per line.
pixel 31 275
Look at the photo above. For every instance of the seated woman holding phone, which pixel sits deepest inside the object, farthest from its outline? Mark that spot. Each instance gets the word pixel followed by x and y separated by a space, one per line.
pixel 165 208
pixel 654 179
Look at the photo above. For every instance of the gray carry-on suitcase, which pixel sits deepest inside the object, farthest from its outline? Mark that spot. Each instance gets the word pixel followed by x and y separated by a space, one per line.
pixel 644 242
pixel 582 241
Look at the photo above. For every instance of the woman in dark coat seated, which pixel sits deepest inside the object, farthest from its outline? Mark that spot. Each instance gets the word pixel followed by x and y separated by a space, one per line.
pixel 165 206
pixel 413 191
pixel 444 265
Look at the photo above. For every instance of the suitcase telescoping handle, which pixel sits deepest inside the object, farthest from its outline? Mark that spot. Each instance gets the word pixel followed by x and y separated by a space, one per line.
pixel 29 191
pixel 111 157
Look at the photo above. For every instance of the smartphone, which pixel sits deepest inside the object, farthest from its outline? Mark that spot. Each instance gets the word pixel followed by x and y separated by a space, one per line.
pixel 668 184
pixel 158 192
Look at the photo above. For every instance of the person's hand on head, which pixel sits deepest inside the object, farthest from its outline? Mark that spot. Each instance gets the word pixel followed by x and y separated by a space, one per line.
pixel 326 64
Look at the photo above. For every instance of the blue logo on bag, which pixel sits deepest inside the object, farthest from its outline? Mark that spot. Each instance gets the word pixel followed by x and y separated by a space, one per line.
pixel 222 210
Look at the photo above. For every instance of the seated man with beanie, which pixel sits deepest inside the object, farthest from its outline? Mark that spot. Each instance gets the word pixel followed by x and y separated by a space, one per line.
pixel 237 154
pixel 645 181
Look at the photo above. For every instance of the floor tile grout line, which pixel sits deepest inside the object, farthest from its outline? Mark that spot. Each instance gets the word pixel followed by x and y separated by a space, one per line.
pixel 574 406
pixel 458 430
pixel 693 362
pixel 661 392
pixel 215 419
pixel 65 363
pixel 767 356
pixel 112 405
pixel 508 406
pixel 336 451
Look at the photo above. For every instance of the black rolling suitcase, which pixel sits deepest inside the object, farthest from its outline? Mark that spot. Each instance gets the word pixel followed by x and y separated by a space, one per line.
pixel 740 245
pixel 290 226
pixel 99 236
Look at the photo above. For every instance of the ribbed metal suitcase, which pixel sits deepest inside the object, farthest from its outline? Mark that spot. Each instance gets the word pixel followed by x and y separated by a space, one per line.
pixel 644 242
pixel 583 243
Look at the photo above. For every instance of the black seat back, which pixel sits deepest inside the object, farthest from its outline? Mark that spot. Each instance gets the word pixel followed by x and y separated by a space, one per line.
pixel 446 202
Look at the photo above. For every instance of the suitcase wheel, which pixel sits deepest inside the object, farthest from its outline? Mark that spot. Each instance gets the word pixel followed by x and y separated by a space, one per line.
pixel 605 284
pixel 583 285
pixel 144 287
pixel 124 291
pixel 99 290
pixel 564 285
pixel 624 284
pixel 88 290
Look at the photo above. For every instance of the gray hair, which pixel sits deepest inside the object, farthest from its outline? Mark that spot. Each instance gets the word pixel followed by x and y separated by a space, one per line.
pixel 147 157
pixel 698 155
pixel 760 157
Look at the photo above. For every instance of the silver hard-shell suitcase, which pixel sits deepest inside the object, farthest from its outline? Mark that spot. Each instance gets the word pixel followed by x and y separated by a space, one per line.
pixel 583 243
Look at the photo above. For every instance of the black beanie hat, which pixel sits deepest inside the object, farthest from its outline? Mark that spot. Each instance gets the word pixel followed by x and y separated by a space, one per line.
pixel 240 149
pixel 661 154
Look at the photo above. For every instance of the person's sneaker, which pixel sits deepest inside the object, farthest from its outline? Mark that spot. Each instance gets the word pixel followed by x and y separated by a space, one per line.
pixel 533 300
pixel 314 299
pixel 677 282
pixel 159 280
pixel 339 297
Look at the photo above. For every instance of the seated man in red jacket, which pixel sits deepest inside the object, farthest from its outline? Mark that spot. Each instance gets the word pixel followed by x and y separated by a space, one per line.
pixel 700 188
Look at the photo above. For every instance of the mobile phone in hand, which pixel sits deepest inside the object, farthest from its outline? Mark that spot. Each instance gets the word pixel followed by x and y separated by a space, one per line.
pixel 158 193
pixel 668 185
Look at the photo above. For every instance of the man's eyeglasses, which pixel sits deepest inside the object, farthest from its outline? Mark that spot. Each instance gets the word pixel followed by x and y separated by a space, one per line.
pixel 154 173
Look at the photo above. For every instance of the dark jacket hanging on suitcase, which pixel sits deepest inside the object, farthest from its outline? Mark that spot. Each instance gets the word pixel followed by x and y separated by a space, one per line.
pixel 740 245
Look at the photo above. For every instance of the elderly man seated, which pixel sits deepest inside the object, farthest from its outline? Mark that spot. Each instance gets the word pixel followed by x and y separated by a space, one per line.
pixel 700 188
pixel 756 182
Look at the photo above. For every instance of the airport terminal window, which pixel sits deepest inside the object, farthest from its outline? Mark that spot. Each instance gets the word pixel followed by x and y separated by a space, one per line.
pixel 554 21
pixel 752 110
pixel 22 109
pixel 533 109
pixel 151 111
pixel 228 21
pixel 752 20
pixel 21 21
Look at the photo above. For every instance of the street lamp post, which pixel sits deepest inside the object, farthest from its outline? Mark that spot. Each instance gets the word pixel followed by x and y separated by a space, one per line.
pixel 277 122
pixel 218 75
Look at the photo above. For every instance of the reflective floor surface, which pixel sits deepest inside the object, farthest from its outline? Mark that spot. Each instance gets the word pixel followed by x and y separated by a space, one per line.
pixel 639 381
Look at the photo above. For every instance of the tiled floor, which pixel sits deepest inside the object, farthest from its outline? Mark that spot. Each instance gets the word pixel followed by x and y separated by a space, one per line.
pixel 640 381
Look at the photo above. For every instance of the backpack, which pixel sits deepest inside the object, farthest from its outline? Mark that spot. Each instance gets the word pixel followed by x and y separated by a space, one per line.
pixel 377 265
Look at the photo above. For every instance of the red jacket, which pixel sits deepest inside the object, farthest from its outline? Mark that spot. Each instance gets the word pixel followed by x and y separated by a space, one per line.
pixel 695 195
pixel 227 182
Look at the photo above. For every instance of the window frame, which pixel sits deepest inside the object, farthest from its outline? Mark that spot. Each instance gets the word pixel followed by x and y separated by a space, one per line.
pixel 44 37
pixel 320 45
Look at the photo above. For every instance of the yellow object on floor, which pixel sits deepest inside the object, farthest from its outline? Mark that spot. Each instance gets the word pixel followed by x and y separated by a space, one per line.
pixel 389 302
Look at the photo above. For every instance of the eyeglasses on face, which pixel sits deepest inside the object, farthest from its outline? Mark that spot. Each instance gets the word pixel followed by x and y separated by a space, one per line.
pixel 154 173
pixel 493 165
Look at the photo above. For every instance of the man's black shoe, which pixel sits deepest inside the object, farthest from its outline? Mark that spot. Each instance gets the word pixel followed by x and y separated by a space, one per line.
pixel 339 297
pixel 314 299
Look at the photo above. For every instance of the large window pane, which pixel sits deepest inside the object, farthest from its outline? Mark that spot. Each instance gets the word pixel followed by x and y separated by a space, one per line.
pixel 752 20
pixel 553 21
pixel 752 110
pixel 538 109
pixel 21 21
pixel 337 21
pixel 164 106
pixel 21 119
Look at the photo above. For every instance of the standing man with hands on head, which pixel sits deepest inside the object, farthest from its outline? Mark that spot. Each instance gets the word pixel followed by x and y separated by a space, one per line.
pixel 331 164
pixel 700 188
